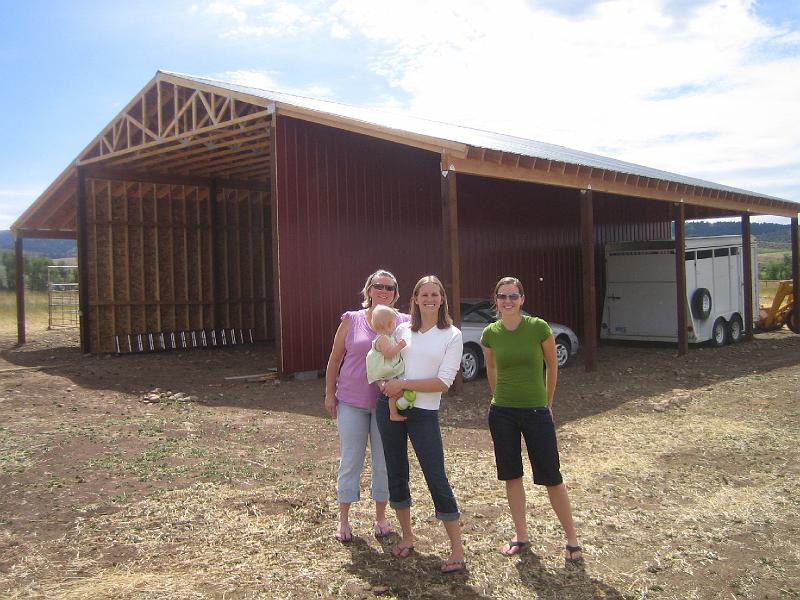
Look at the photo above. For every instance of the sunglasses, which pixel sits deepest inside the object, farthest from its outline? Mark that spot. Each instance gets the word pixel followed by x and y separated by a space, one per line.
pixel 514 297
pixel 389 287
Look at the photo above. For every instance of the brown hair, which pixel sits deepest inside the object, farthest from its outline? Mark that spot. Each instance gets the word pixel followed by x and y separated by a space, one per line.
pixel 444 320
pixel 367 303
pixel 505 281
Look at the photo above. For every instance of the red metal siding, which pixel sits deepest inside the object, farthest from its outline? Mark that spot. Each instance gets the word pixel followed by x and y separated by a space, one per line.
pixel 347 205
pixel 533 232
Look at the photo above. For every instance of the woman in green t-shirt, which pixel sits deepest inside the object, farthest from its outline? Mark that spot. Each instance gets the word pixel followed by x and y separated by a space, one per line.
pixel 522 369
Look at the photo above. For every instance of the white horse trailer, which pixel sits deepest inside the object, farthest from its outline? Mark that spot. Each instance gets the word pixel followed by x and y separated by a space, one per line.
pixel 641 295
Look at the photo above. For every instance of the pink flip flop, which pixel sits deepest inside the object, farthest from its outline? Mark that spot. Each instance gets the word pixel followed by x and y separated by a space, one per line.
pixel 344 535
pixel 383 529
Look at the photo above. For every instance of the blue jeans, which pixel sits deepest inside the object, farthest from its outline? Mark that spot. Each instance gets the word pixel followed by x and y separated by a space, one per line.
pixel 422 428
pixel 355 426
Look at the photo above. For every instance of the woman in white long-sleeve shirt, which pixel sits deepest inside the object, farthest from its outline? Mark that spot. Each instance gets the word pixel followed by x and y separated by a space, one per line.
pixel 432 357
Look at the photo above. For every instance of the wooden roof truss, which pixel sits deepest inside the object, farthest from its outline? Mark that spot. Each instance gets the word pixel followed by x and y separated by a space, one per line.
pixel 171 129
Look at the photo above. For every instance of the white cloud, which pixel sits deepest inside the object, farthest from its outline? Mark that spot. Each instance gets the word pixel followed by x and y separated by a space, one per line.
pixel 258 18
pixel 21 193
pixel 11 201
pixel 707 89
pixel 266 80
pixel 235 9
pixel 339 31
pixel 696 93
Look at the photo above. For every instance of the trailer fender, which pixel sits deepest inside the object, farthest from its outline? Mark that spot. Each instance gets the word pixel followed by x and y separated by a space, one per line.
pixel 701 303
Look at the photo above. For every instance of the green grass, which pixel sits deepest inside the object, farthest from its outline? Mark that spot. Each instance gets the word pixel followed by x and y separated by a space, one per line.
pixel 34 301
pixel 36 309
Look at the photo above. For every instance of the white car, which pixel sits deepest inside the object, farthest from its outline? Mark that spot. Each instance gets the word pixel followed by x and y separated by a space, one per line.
pixel 477 313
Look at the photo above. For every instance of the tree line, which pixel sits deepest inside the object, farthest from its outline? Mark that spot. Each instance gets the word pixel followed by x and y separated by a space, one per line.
pixel 35 268
pixel 778 269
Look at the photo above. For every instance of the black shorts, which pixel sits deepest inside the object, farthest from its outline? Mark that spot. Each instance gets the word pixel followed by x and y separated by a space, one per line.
pixel 507 426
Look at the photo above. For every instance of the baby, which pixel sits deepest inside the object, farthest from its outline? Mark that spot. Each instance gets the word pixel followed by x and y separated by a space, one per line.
pixel 384 360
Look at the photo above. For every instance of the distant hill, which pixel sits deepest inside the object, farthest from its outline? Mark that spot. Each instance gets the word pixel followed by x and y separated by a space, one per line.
pixel 772 233
pixel 767 233
pixel 48 248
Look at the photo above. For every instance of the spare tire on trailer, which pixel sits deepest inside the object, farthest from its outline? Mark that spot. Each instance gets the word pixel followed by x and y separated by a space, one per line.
pixel 701 303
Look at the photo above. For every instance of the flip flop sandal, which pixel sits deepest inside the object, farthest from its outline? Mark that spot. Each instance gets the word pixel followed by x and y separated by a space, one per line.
pixel 453 566
pixel 383 529
pixel 402 551
pixel 344 535
pixel 571 559
pixel 520 545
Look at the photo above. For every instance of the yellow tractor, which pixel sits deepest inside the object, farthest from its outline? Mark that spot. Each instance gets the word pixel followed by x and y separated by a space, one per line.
pixel 781 312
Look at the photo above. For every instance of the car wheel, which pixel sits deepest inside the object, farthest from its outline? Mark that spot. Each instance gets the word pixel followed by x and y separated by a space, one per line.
pixel 701 303
pixel 563 351
pixel 719 333
pixel 735 329
pixel 470 364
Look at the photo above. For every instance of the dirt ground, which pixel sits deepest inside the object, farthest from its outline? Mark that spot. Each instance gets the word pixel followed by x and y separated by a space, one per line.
pixel 684 475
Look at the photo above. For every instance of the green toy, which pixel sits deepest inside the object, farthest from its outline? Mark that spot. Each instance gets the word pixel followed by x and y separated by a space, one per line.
pixel 406 400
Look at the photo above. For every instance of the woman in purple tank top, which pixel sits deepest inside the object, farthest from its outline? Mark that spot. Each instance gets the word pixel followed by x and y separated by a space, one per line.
pixel 351 400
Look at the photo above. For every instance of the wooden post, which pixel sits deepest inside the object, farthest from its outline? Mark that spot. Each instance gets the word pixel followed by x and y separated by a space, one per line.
pixel 795 275
pixel 680 278
pixel 83 263
pixel 20 262
pixel 589 283
pixel 452 275
pixel 747 271
pixel 213 228
pixel 273 131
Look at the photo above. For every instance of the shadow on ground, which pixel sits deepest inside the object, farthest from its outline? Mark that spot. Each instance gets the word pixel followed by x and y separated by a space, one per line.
pixel 625 372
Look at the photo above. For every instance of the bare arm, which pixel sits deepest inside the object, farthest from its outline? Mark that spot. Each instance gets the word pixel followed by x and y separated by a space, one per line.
pixel 334 364
pixel 491 368
pixel 385 346
pixel 551 362
pixel 394 387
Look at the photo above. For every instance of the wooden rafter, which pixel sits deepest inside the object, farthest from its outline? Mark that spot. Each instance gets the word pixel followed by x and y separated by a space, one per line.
pixel 494 163
pixel 165 113
pixel 189 145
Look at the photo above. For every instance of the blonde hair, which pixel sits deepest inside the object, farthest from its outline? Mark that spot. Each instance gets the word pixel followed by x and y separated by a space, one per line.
pixel 505 281
pixel 383 317
pixel 367 303
pixel 444 320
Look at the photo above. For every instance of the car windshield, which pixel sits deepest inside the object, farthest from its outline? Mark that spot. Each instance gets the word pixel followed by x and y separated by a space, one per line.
pixel 479 312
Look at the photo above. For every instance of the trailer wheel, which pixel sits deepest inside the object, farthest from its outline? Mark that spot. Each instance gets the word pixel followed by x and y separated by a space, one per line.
pixel 719 333
pixel 701 303
pixel 735 329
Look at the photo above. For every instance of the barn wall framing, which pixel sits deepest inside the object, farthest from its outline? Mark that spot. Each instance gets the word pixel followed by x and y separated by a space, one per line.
pixel 154 260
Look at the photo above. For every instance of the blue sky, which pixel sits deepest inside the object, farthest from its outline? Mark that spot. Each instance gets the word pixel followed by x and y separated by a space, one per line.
pixel 708 89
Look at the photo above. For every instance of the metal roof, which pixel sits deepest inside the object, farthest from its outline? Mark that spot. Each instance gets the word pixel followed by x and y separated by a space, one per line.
pixel 467 135
pixel 465 149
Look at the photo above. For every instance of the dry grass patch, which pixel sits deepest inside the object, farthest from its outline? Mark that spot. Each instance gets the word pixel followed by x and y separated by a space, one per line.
pixel 683 476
